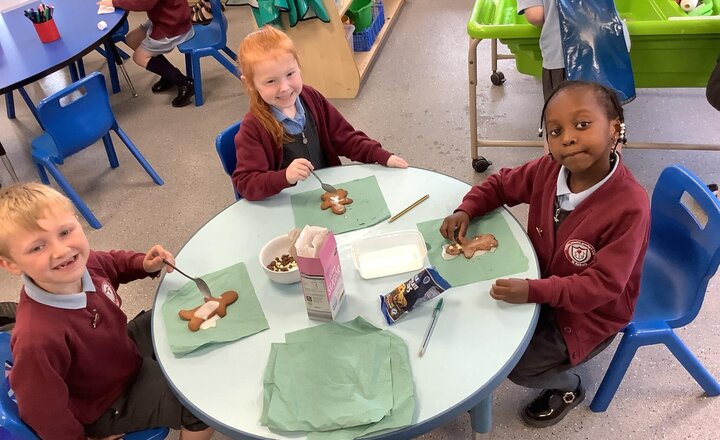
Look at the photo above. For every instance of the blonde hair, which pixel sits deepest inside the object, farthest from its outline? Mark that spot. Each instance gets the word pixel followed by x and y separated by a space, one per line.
pixel 22 205
pixel 266 42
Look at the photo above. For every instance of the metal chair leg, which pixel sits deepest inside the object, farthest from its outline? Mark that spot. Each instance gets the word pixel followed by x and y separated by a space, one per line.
pixel 8 165
pixel 119 62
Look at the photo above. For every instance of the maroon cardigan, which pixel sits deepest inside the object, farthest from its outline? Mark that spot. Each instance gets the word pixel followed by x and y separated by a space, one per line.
pixel 258 174
pixel 67 373
pixel 590 267
pixel 169 18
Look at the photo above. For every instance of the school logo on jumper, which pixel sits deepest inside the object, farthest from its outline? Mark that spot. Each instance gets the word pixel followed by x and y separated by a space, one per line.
pixel 110 293
pixel 579 253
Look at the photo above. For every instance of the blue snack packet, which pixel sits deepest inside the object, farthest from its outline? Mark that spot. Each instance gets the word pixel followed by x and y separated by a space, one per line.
pixel 423 286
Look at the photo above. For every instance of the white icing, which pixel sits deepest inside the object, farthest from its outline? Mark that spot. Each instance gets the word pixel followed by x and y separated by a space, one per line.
pixel 206 309
pixel 210 323
pixel 445 255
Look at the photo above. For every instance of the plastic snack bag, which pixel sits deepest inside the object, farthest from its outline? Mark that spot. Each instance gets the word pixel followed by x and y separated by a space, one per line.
pixel 423 286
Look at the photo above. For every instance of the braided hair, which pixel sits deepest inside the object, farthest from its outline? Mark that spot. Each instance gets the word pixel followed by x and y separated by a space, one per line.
pixel 606 97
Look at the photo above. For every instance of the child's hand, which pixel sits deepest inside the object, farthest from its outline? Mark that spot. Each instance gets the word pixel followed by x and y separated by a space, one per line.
pixel 396 162
pixel 153 261
pixel 457 222
pixel 513 290
pixel 299 169
pixel 106 3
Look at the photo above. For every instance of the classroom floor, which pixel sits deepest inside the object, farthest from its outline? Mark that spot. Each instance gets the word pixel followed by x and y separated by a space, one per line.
pixel 415 102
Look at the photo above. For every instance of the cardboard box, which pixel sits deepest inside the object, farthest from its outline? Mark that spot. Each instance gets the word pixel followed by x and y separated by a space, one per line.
pixel 321 281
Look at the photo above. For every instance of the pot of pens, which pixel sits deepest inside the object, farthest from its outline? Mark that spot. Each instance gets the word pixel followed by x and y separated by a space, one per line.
pixel 42 20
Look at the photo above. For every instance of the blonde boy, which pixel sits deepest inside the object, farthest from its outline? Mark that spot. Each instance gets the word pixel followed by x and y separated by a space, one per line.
pixel 80 368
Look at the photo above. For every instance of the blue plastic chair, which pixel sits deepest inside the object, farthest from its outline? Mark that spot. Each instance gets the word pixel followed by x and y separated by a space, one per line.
pixel 209 40
pixel 74 127
pixel 12 427
pixel 683 254
pixel 225 147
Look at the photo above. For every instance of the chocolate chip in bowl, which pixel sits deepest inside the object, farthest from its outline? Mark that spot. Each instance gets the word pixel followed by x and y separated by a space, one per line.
pixel 277 262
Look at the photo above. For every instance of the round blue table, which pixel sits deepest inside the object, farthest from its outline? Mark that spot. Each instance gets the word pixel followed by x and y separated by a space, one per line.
pixel 476 343
pixel 25 59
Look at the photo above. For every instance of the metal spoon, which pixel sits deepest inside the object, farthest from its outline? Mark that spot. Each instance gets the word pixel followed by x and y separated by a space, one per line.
pixel 199 282
pixel 325 186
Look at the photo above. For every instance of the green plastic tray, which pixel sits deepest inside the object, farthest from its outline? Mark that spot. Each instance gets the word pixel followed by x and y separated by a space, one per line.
pixel 664 53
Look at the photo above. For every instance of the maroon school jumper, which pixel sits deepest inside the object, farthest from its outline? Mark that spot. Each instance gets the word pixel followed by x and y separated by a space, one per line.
pixel 258 174
pixel 70 365
pixel 590 266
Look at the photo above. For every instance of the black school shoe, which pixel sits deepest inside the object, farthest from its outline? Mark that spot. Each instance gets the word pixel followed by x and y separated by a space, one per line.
pixel 162 85
pixel 551 406
pixel 185 94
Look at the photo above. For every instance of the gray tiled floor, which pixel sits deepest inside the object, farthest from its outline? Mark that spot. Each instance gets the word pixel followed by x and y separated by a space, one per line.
pixel 415 102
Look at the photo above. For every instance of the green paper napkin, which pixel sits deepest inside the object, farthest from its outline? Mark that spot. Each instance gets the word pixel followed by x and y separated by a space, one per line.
pixel 345 335
pixel 507 259
pixel 320 387
pixel 244 317
pixel 368 207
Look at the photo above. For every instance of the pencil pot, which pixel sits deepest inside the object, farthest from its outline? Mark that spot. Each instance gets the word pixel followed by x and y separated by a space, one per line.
pixel 47 31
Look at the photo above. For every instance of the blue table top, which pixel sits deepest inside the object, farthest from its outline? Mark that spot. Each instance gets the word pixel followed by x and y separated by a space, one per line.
pixel 25 59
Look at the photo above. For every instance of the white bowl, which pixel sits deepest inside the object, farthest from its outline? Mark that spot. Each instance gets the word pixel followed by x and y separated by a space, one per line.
pixel 277 247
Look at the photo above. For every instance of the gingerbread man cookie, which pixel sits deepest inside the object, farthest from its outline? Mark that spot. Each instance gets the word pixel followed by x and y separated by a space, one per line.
pixel 479 243
pixel 335 201
pixel 212 307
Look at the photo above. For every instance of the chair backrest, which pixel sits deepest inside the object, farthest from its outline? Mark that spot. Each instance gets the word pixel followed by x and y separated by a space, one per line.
pixel 219 20
pixel 225 147
pixel 684 248
pixel 11 426
pixel 81 122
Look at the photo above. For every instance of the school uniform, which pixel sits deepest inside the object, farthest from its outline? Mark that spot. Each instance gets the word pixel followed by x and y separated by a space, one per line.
pixel 74 359
pixel 260 170
pixel 590 247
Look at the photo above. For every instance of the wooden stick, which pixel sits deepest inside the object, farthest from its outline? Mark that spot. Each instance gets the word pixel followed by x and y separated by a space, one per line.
pixel 396 216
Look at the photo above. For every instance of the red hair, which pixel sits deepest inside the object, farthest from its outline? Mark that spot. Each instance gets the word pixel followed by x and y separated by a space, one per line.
pixel 266 42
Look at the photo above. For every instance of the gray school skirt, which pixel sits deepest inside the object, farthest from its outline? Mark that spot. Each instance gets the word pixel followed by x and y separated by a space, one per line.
pixel 163 45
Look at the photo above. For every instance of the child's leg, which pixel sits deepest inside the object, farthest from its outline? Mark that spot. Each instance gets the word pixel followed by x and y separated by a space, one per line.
pixel 135 37
pixel 148 402
pixel 545 365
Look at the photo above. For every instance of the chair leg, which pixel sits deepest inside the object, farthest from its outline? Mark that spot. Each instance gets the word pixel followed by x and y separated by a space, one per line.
pixel 229 52
pixel 140 158
pixel 71 193
pixel 10 104
pixel 615 373
pixel 197 78
pixel 231 67
pixel 42 173
pixel 8 164
pixel 693 366
pixel 110 150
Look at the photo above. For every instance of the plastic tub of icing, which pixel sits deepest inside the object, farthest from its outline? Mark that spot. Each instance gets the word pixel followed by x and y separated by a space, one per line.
pixel 389 254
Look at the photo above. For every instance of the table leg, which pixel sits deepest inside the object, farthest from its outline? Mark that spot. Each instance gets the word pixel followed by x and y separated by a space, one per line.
pixel 10 104
pixel 30 104
pixel 6 162
pixel 116 55
pixel 481 417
